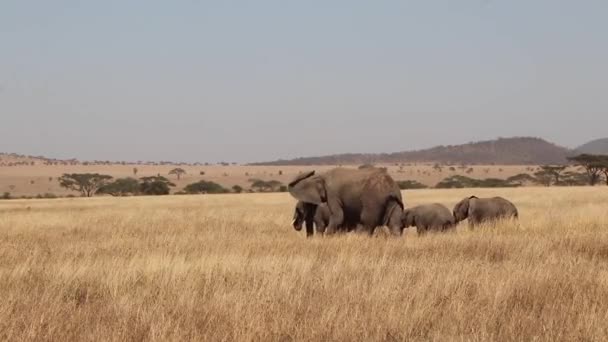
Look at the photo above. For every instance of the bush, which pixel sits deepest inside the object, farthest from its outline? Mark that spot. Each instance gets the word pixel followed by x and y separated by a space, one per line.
pixel 237 188
pixel 158 185
pixel 202 173
pixel 121 187
pixel 6 195
pixel 283 188
pixel 521 179
pixel 410 184
pixel 366 166
pixel 266 186
pixel 205 187
pixel 458 181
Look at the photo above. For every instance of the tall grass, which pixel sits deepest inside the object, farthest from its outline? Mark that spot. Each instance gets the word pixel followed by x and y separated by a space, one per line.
pixel 230 268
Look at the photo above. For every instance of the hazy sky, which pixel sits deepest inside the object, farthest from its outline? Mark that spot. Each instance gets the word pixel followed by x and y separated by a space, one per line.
pixel 261 80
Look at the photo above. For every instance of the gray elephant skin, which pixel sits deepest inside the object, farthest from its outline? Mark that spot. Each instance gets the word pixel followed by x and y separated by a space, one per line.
pixel 429 217
pixel 480 210
pixel 369 197
pixel 312 215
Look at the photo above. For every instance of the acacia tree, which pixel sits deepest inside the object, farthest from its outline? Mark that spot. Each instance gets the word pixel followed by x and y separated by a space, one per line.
pixel 85 183
pixel 594 165
pixel 552 171
pixel 155 185
pixel 178 172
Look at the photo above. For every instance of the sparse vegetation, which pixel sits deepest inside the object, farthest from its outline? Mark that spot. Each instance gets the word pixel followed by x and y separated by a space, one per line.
pixel 410 184
pixel 458 181
pixel 205 187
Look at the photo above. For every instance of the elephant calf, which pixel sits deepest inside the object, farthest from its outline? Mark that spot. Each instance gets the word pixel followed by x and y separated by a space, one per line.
pixel 480 210
pixel 434 217
pixel 311 214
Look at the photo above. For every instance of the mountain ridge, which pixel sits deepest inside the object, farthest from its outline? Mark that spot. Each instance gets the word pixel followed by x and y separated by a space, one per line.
pixel 597 146
pixel 507 151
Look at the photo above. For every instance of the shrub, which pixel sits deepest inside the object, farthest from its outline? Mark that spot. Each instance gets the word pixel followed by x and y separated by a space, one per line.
pixel 237 188
pixel 366 166
pixel 205 187
pixel 458 181
pixel 410 184
pixel 202 173
pixel 266 186
pixel 121 187
pixel 6 195
pixel 521 179
pixel 157 185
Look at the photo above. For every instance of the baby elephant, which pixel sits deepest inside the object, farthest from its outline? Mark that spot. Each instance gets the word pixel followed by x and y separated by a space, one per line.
pixel 434 217
pixel 479 210
pixel 311 213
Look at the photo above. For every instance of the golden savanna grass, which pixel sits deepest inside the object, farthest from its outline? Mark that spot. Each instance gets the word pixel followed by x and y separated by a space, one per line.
pixel 230 268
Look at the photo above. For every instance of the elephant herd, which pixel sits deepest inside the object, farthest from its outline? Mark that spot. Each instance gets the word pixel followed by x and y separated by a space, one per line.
pixel 347 199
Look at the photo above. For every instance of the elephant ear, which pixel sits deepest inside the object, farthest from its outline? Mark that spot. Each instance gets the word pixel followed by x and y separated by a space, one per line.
pixel 461 210
pixel 308 189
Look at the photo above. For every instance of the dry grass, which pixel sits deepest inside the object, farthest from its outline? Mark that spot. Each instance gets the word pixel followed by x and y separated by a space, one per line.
pixel 230 268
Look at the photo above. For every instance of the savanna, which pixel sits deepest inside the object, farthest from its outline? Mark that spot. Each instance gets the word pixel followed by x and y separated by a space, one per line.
pixel 231 268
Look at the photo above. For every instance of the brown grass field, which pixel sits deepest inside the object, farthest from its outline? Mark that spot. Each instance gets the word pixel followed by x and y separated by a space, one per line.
pixel 230 268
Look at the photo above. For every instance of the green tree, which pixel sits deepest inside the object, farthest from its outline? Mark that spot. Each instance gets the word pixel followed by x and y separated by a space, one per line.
pixel 85 183
pixel 204 187
pixel 155 185
pixel 121 187
pixel 574 178
pixel 544 177
pixel 265 186
pixel 554 171
pixel 594 165
pixel 178 172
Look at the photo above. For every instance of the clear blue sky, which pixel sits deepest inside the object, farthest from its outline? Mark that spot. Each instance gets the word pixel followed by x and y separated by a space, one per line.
pixel 260 80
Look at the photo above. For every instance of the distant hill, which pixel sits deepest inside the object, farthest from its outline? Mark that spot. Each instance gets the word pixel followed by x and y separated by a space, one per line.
pixel 504 151
pixel 598 146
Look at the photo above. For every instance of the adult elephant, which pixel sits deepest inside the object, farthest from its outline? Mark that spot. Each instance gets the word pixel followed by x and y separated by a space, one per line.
pixel 368 196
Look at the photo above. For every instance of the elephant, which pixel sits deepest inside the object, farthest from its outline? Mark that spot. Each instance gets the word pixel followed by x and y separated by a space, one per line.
pixel 480 210
pixel 311 214
pixel 369 197
pixel 435 217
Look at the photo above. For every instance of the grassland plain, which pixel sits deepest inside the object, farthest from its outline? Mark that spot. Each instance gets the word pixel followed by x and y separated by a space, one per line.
pixel 230 268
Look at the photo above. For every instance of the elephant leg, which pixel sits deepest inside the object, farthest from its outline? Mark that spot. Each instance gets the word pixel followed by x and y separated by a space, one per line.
pixel 336 218
pixel 395 223
pixel 309 228
pixel 320 226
